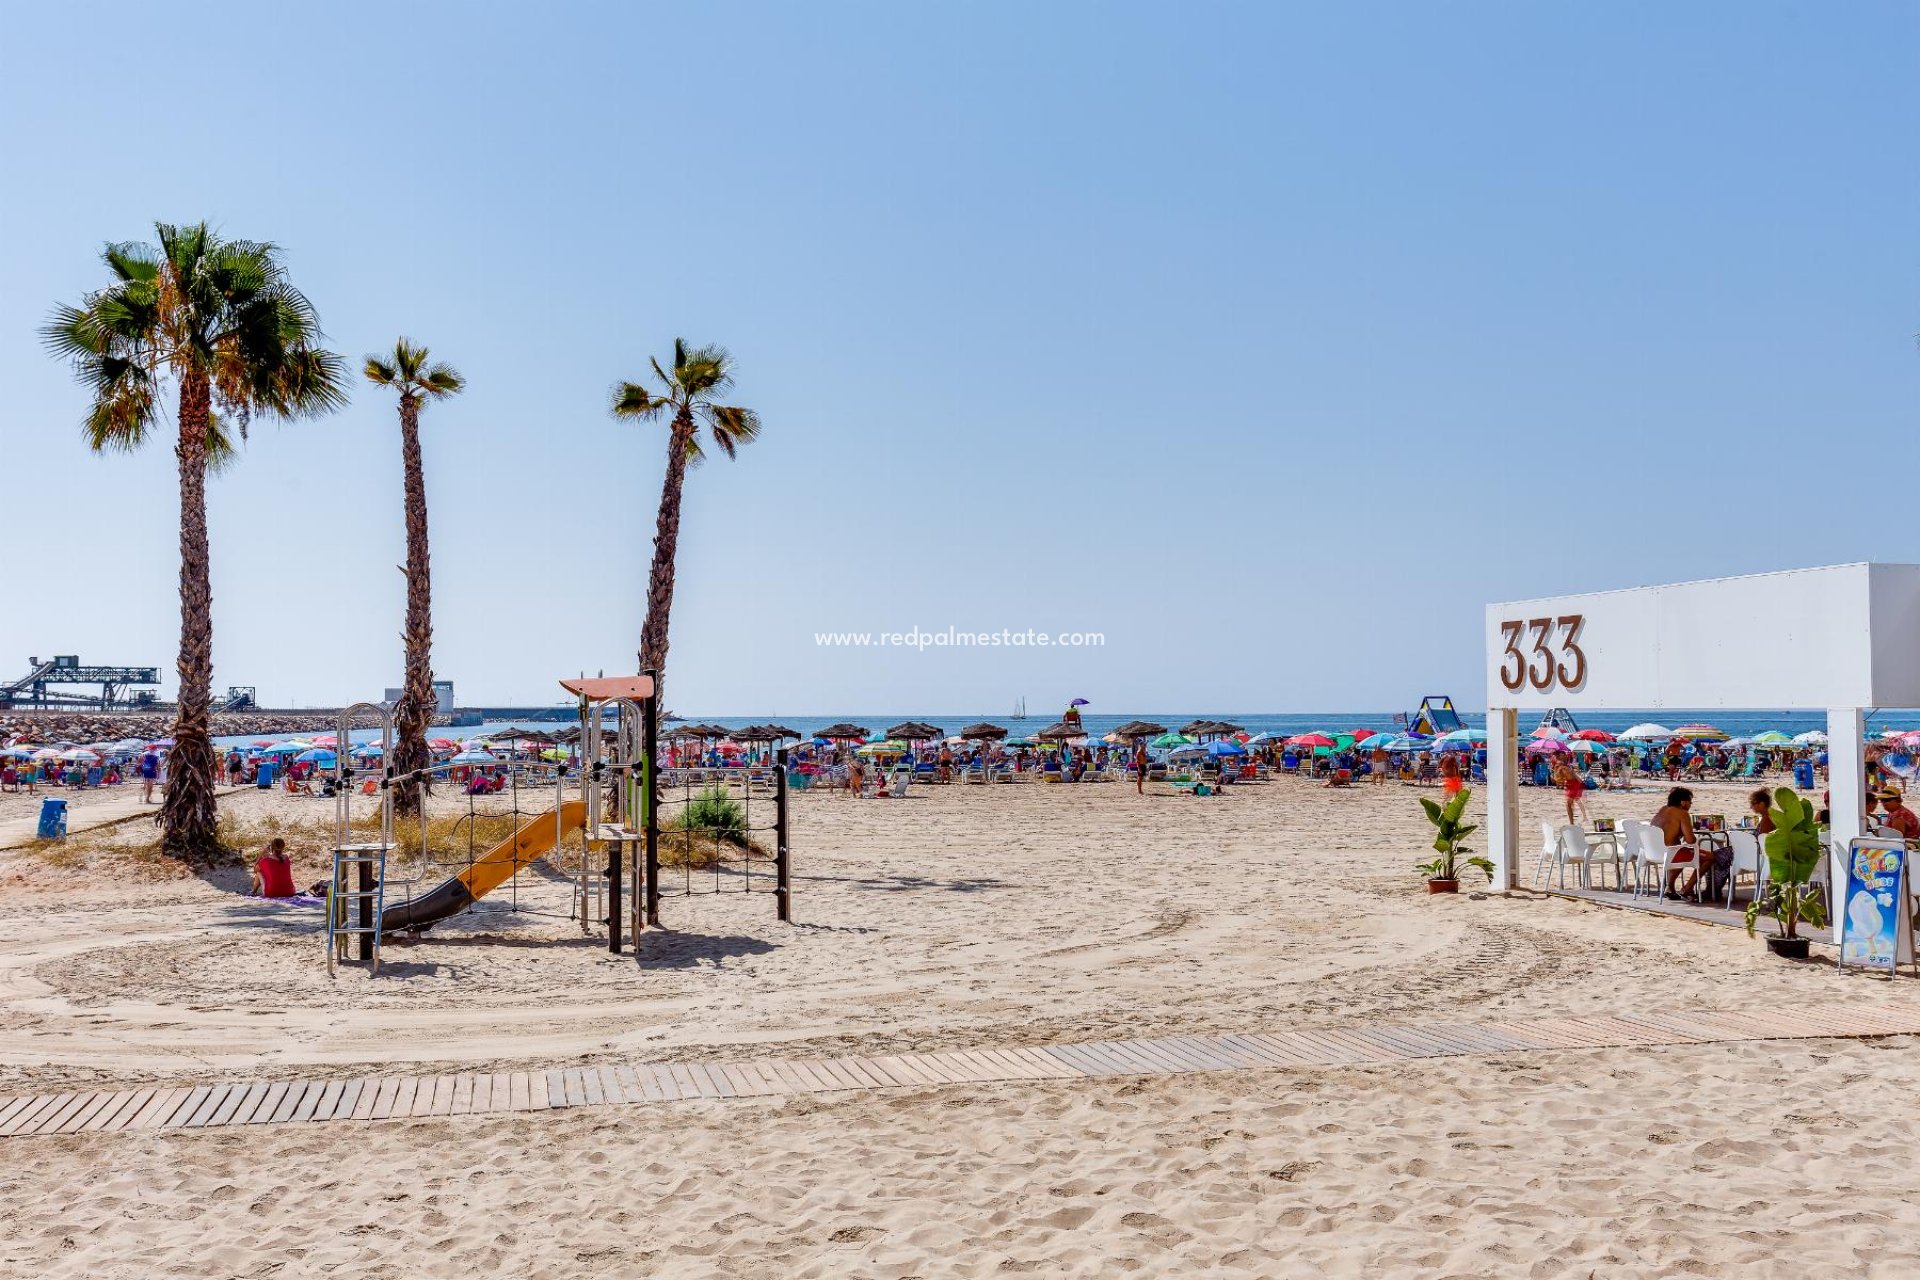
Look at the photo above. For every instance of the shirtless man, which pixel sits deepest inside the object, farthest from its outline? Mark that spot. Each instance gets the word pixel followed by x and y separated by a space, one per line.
pixel 1675 823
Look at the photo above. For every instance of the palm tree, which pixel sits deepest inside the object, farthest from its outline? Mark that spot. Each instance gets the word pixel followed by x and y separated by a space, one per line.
pixel 686 396
pixel 417 381
pixel 219 320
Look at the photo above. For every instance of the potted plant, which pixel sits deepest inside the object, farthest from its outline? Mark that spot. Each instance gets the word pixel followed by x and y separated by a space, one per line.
pixel 1793 853
pixel 1449 831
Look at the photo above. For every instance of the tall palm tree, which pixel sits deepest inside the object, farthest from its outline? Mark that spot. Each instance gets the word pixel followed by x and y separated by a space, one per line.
pixel 409 372
pixel 219 321
pixel 686 396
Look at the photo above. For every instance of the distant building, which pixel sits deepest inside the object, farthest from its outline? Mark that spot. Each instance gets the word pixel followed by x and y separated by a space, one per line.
pixel 442 697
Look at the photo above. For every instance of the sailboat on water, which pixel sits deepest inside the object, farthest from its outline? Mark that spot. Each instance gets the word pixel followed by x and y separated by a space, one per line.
pixel 1019 708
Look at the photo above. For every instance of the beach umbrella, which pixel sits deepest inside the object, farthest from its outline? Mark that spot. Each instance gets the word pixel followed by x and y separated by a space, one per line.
pixel 1019 742
pixel 1361 735
pixel 1061 732
pixel 47 753
pixel 1462 736
pixel 844 732
pixel 1593 735
pixel 317 755
pixel 882 748
pixel 78 754
pixel 16 753
pixel 1167 740
pixel 983 732
pixel 474 757
pixel 916 731
pixel 1547 732
pixel 1139 729
pixel 1226 747
pixel 1310 740
pixel 1772 738
pixel 1701 733
pixel 1646 733
pixel 1811 738
pixel 327 740
pixel 286 749
pixel 1547 747
pixel 1587 747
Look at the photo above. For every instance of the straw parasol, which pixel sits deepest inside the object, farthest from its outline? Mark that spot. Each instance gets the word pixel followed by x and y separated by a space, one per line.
pixel 781 731
pixel 755 733
pixel 1061 732
pixel 1139 729
pixel 916 731
pixel 983 732
pixel 843 732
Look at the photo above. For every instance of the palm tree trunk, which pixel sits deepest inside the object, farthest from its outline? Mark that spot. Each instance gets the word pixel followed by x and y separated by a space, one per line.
pixel 416 699
pixel 188 821
pixel 666 543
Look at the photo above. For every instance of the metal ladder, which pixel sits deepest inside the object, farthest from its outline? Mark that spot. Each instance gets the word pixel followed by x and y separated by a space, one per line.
pixel 344 897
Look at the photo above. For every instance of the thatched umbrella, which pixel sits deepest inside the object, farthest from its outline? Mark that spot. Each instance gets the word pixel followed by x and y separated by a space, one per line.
pixel 754 733
pixel 843 732
pixel 983 732
pixel 1061 732
pixel 916 731
pixel 1139 729
pixel 781 731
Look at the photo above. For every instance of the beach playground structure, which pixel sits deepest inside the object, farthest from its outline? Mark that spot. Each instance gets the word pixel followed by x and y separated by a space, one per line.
pixel 602 814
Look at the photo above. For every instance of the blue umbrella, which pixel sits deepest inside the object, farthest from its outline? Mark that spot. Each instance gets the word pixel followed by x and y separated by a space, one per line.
pixel 317 755
pixel 1226 747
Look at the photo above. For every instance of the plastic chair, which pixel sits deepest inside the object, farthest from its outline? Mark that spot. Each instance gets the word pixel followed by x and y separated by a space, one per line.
pixel 1571 843
pixel 1654 854
pixel 1748 857
pixel 1549 851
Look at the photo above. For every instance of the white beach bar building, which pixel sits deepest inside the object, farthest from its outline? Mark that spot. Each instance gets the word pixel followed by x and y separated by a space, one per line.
pixel 1844 639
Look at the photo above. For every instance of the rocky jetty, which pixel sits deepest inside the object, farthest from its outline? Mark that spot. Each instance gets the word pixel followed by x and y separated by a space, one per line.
pixel 109 726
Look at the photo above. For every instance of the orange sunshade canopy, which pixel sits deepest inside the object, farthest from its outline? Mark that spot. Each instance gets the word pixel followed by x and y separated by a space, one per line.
pixel 603 688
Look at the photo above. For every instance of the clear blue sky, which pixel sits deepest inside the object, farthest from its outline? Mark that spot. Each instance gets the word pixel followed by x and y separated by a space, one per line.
pixel 1269 340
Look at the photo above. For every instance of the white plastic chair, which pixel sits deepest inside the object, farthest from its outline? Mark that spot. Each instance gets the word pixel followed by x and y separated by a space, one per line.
pixel 1750 858
pixel 1573 849
pixel 1654 854
pixel 1549 852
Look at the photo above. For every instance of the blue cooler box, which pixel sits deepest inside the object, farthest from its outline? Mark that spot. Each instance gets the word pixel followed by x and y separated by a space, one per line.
pixel 53 819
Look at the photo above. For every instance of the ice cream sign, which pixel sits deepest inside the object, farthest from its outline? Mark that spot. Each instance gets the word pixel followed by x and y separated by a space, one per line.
pixel 1876 930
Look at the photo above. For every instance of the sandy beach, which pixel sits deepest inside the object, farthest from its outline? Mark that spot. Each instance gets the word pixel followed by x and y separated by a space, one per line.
pixel 956 918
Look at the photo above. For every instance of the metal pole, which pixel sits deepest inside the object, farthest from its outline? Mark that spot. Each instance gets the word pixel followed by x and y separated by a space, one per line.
pixel 782 867
pixel 650 796
pixel 614 849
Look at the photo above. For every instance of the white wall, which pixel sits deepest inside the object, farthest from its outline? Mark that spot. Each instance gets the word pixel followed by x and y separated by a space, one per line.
pixel 1845 636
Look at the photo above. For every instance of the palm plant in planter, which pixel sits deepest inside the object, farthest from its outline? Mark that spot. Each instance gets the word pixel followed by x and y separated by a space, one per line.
pixel 1450 830
pixel 1793 853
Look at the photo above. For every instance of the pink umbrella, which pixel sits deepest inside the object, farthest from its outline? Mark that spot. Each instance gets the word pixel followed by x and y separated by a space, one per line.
pixel 1594 735
pixel 1310 740
pixel 1547 746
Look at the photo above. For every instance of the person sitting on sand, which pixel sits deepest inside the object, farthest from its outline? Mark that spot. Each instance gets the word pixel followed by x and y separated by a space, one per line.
pixel 272 872
pixel 1674 821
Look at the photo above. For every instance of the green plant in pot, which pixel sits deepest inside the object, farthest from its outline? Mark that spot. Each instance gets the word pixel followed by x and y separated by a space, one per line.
pixel 1793 855
pixel 1450 830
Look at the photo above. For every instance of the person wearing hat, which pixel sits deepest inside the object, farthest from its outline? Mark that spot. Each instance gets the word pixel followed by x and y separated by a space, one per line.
pixel 1895 814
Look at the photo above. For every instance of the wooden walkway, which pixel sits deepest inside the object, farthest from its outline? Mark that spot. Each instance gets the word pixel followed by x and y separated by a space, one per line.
pixel 396 1097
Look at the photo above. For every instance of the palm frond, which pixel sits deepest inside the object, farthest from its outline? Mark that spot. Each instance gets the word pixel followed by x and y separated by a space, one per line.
pixel 631 400
pixel 442 380
pixel 221 451
pixel 704 371
pixel 380 372
pixel 733 423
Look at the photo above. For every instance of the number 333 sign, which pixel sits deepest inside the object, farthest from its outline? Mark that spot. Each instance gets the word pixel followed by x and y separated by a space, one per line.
pixel 1544 653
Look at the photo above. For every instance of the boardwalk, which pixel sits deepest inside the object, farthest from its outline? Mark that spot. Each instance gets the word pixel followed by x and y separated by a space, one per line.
pixel 395 1097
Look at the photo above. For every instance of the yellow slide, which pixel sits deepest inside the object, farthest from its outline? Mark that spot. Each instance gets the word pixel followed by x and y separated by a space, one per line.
pixel 489 871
